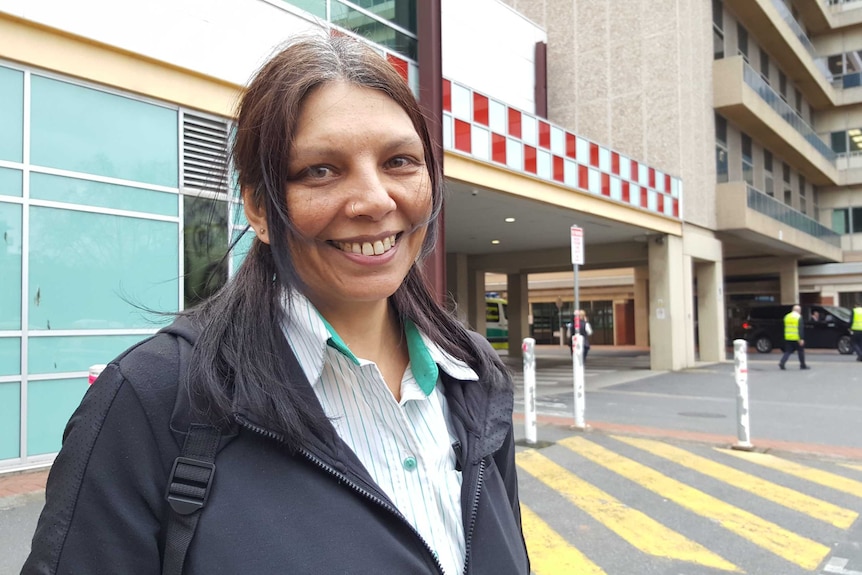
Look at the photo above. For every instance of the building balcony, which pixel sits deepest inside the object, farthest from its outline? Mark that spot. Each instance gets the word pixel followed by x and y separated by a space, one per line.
pixel 755 224
pixel 742 96
pixel 771 22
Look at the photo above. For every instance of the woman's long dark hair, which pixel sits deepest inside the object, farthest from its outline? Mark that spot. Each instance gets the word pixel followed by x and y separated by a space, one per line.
pixel 238 361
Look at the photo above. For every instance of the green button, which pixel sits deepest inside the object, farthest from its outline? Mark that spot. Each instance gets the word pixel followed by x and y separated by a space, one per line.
pixel 409 463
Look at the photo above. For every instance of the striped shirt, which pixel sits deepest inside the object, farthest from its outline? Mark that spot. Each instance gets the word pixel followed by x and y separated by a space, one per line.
pixel 405 446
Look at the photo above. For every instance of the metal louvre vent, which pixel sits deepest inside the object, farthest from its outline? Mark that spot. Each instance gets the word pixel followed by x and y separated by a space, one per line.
pixel 204 150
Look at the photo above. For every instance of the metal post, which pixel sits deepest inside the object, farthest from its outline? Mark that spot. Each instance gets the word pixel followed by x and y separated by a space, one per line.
pixel 578 372
pixel 529 349
pixel 740 359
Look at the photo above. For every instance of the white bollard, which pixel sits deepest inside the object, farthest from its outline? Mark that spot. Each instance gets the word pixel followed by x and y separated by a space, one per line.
pixel 578 372
pixel 740 360
pixel 95 372
pixel 529 349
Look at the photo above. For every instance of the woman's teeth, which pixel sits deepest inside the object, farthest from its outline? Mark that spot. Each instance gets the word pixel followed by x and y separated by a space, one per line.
pixel 368 248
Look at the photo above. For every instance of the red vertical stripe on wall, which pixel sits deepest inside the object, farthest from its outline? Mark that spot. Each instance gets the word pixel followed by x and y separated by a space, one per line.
pixel 462 136
pixel 652 178
pixel 498 148
pixel 615 163
pixel 594 155
pixel 660 206
pixel 570 145
pixel 447 95
pixel 514 123
pixel 583 177
pixel 667 183
pixel 400 65
pixel 559 169
pixel 625 194
pixel 480 109
pixel 643 203
pixel 530 159
pixel 544 134
pixel 676 208
pixel 606 184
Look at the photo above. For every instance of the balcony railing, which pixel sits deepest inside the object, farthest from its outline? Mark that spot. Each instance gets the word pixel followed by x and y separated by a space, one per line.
pixel 841 3
pixel 771 97
pixel 779 211
pixel 787 16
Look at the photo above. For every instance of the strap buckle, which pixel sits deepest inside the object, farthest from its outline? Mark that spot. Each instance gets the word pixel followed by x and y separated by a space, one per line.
pixel 189 484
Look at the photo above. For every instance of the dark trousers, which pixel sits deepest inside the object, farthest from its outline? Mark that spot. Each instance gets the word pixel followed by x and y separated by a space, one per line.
pixel 789 348
pixel 856 338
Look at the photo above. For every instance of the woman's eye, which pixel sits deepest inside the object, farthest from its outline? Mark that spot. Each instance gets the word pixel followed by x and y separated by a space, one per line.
pixel 318 172
pixel 400 162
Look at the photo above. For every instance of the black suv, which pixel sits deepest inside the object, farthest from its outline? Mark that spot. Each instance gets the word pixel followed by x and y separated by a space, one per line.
pixel 826 327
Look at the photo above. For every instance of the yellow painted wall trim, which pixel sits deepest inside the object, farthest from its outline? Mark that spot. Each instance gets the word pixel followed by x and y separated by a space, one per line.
pixel 50 49
pixel 485 175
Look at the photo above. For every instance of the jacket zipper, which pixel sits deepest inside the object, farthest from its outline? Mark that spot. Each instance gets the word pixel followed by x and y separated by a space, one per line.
pixel 474 511
pixel 357 488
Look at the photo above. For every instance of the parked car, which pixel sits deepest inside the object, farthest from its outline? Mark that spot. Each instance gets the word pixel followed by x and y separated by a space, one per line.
pixel 826 327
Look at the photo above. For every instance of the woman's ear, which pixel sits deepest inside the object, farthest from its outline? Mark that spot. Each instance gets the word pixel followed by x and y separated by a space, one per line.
pixel 255 215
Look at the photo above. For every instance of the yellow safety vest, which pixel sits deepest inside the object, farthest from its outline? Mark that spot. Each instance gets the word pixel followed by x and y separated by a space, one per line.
pixel 857 319
pixel 791 327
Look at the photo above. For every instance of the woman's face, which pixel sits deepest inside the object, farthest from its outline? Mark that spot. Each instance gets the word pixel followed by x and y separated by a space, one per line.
pixel 359 195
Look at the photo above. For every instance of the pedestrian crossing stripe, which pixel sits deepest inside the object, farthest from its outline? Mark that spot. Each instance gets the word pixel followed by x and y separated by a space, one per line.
pixel 790 546
pixel 790 498
pixel 852 466
pixel 549 552
pixel 633 526
pixel 818 476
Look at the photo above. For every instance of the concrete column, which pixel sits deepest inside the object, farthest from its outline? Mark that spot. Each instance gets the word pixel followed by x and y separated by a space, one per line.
pixel 667 293
pixel 688 309
pixel 788 274
pixel 519 309
pixel 458 285
pixel 476 300
pixel 710 310
pixel 641 292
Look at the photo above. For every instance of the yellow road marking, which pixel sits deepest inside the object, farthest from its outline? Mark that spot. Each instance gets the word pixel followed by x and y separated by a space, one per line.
pixel 786 544
pixel 549 552
pixel 642 532
pixel 790 498
pixel 818 476
pixel 852 466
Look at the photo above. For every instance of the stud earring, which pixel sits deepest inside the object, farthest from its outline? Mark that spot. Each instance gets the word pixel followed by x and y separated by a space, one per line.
pixel 262 231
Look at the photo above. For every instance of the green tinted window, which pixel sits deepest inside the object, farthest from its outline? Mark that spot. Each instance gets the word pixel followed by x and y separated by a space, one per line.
pixel 10 266
pixel 75 191
pixel 11 114
pixel 376 31
pixel 205 245
pixel 94 132
pixel 314 7
pixel 75 353
pixel 11 182
pixel 10 356
pixel 401 12
pixel 98 271
pixel 10 420
pixel 50 404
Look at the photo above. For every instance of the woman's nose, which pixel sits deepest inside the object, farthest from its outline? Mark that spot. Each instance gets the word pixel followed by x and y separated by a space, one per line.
pixel 369 195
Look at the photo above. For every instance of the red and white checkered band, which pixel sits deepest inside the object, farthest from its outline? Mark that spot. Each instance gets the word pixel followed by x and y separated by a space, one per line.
pixel 488 130
pixel 407 68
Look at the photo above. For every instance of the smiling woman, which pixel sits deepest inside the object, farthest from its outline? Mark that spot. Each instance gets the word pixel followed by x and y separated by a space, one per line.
pixel 356 426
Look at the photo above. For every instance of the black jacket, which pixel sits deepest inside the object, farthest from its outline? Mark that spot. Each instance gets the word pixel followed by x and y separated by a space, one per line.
pixel 271 510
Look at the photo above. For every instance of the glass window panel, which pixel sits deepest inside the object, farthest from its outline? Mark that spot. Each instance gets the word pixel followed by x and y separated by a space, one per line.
pixel 767 160
pixel 764 65
pixel 94 132
pixel 742 38
pixel 839 142
pixel 748 173
pixel 840 221
pixel 835 64
pixel 769 185
pixel 10 264
pixel 400 12
pixel 50 404
pixel 374 30
pixel 92 271
pixel 75 353
pixel 205 245
pixel 721 129
pixel 11 115
pixel 721 164
pixel 85 192
pixel 747 155
pixel 856 220
pixel 10 356
pixel 11 182
pixel 717 14
pixel 717 44
pixel 314 7
pixel 10 420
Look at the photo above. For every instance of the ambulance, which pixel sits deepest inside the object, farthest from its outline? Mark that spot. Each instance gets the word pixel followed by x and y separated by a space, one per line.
pixel 496 321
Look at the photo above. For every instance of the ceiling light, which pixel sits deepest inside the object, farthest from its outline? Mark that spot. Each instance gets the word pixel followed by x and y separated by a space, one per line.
pixel 854 132
pixel 856 138
pixel 495 242
pixel 509 220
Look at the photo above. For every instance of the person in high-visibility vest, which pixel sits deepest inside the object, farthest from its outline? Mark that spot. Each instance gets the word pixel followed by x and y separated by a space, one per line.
pixel 856 331
pixel 794 337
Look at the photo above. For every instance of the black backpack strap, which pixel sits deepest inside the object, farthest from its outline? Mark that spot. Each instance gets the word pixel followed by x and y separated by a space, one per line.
pixel 188 488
